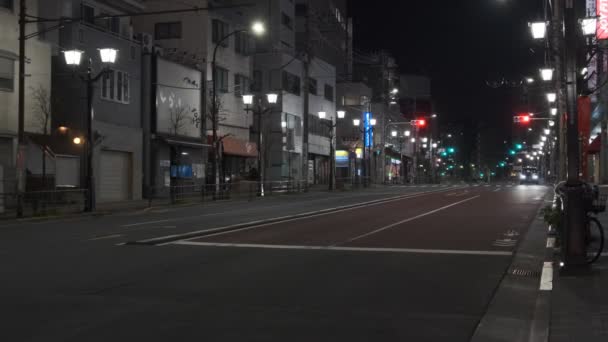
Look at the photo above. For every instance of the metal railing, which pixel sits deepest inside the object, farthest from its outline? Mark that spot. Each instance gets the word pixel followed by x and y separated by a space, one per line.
pixel 43 203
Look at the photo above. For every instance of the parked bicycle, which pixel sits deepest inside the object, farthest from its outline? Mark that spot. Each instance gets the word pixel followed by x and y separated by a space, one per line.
pixel 595 203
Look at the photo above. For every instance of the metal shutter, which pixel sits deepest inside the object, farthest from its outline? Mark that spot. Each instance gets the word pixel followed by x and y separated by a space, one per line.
pixel 114 176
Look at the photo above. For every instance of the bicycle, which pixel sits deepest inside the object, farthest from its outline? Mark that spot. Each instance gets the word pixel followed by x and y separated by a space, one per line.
pixel 595 203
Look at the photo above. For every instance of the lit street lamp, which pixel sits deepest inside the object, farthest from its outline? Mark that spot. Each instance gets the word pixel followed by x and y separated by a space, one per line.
pixel 331 125
pixel 365 132
pixel 74 58
pixel 546 74
pixel 258 111
pixel 258 29
pixel 551 97
pixel 538 29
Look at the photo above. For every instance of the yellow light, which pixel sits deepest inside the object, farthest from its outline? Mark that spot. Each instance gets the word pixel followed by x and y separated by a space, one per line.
pixel 77 141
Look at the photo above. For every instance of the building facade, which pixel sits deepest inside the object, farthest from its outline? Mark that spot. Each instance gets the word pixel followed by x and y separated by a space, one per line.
pixel 116 98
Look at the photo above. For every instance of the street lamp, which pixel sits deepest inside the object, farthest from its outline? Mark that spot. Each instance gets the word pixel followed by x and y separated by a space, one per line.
pixel 258 111
pixel 551 97
pixel 589 26
pixel 554 111
pixel 407 133
pixel 538 29
pixel 257 29
pixel 546 74
pixel 331 125
pixel 365 132
pixel 73 58
pixel 394 134
pixel 529 80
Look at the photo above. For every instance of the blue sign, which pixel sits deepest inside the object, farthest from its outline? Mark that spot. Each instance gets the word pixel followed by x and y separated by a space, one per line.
pixel 369 134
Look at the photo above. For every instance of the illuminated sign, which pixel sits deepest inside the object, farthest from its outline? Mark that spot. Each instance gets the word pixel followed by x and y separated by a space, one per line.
pixel 602 23
pixel 341 158
pixel 369 134
pixel 359 152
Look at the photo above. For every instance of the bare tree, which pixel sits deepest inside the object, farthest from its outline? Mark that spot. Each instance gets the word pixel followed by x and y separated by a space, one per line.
pixel 42 116
pixel 180 117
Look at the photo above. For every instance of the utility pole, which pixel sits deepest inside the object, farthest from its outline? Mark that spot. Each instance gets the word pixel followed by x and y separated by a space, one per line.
pixel 574 235
pixel 557 49
pixel 307 56
pixel 21 109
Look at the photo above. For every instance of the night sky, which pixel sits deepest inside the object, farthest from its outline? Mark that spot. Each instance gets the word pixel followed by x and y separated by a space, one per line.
pixel 460 44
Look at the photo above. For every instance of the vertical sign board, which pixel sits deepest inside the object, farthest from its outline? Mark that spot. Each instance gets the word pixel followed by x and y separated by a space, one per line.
pixel 602 22
pixel 584 130
pixel 369 135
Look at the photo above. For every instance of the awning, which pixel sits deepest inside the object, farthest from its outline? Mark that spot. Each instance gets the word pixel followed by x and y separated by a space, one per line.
pixel 595 146
pixel 240 148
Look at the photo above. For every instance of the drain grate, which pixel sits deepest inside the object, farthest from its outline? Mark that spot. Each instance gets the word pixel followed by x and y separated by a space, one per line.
pixel 520 272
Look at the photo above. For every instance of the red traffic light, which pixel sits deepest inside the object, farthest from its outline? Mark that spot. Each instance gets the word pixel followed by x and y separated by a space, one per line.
pixel 522 119
pixel 420 122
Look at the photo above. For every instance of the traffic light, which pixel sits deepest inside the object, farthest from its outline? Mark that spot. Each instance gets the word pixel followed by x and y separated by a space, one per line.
pixel 523 118
pixel 512 152
pixel 519 146
pixel 420 123
pixel 451 150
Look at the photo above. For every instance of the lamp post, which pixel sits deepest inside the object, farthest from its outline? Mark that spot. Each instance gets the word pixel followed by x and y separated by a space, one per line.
pixel 331 125
pixel 365 132
pixel 73 58
pixel 258 29
pixel 258 111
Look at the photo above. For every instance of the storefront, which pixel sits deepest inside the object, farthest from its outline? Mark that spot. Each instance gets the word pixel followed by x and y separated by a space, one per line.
pixel 239 159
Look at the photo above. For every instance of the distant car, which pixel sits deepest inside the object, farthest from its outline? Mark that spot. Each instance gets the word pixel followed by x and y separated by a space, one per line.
pixel 529 176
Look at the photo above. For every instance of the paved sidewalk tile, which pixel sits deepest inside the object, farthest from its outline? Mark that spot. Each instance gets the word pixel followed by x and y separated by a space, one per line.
pixel 580 304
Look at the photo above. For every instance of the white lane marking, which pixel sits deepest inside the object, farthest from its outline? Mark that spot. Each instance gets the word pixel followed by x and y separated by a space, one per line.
pixel 346 249
pixel 283 219
pixel 106 237
pixel 145 223
pixel 410 219
pixel 546 279
pixel 496 190
pixel 551 242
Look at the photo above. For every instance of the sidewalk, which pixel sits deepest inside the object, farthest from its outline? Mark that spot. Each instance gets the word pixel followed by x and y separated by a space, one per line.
pixel 579 304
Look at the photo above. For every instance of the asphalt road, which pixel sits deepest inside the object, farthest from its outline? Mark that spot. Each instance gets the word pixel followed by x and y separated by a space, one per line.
pixel 422 267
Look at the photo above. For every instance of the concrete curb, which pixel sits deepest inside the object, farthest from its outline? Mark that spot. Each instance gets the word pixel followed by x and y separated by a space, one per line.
pixel 519 311
pixel 205 232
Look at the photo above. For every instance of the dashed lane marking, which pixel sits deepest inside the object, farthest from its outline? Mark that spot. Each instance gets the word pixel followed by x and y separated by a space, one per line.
pixel 107 237
pixel 345 249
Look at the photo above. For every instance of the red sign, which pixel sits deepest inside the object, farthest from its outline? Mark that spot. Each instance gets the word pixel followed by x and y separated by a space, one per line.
pixel 602 21
pixel 584 130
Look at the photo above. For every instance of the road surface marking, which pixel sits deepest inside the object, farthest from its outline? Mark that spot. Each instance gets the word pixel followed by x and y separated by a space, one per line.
pixel 145 223
pixel 551 242
pixel 283 219
pixel 496 190
pixel 344 249
pixel 546 279
pixel 410 219
pixel 107 237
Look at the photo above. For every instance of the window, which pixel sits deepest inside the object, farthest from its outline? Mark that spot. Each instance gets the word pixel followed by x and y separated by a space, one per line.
pixel 219 31
pixel 222 79
pixel 316 126
pixel 329 93
pixel 242 43
pixel 257 81
pixel 115 86
pixel 168 30
pixel 7 74
pixel 312 86
pixel 287 21
pixel 301 10
pixel 242 85
pixel 8 4
pixel 88 14
pixel 291 83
